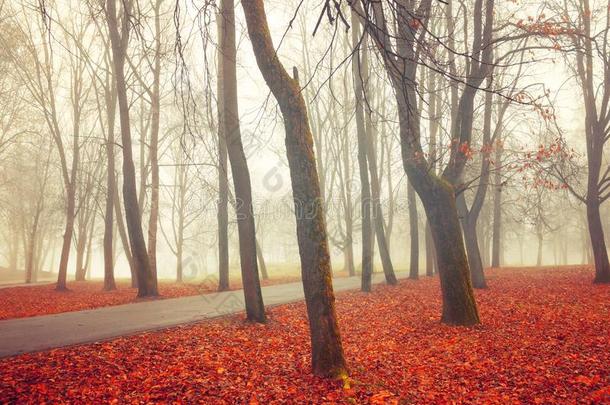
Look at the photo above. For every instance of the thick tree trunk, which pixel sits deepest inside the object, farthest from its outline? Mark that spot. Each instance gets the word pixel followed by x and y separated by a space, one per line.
pixel 255 309
pixel 414 234
pixel 365 188
pixel 147 285
pixel 598 244
pixel 459 306
pixel 326 347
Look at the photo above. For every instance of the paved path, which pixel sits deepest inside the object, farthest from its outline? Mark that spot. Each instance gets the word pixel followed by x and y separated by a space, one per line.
pixel 50 331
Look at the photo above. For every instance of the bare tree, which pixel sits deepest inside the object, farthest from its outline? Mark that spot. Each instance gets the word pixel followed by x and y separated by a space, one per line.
pixel 326 347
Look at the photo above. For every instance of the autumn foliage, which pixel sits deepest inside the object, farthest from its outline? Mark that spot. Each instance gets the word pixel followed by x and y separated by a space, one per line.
pixel 544 339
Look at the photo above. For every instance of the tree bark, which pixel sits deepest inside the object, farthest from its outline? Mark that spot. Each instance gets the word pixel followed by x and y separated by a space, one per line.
pixel 414 233
pixel 153 221
pixel 497 208
pixel 326 347
pixel 147 285
pixel 67 240
pixel 109 282
pixel 261 261
pixel 596 232
pixel 436 193
pixel 223 180
pixel 255 309
pixel 378 221
pixel 365 188
pixel 123 236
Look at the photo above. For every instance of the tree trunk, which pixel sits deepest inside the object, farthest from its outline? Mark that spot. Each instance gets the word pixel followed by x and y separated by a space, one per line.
pixel 539 255
pixel 378 221
pixel 598 244
pixel 255 309
pixel 326 347
pixel 67 241
pixel 31 251
pixel 459 306
pixel 497 209
pixel 474 253
pixel 179 261
pixel 414 233
pixel 123 236
pixel 223 181
pixel 81 245
pixel 261 261
pixel 430 252
pixel 365 188
pixel 153 221
pixel 147 285
pixel 109 282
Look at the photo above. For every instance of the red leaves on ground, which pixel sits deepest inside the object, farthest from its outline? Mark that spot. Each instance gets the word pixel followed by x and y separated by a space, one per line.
pixel 20 302
pixel 544 339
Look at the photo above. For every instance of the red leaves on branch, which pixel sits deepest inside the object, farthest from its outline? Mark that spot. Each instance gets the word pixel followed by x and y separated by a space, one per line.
pixel 544 339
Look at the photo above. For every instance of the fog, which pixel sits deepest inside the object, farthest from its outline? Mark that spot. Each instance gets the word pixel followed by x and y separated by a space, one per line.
pixel 57 74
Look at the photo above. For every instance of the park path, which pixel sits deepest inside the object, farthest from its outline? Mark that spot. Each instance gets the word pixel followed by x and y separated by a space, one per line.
pixel 46 332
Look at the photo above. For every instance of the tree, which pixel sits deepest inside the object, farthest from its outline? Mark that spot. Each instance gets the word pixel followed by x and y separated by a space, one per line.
pixel 437 194
pixel 255 309
pixel 326 346
pixel 365 187
pixel 119 39
pixel 223 180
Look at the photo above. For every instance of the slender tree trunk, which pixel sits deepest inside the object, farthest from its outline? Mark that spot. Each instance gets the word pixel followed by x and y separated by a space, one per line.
pixel 430 252
pixel 81 245
pixel 474 254
pixel 109 282
pixel 31 251
pixel 414 233
pixel 147 285
pixel 539 254
pixel 261 261
pixel 179 261
pixel 326 347
pixel 497 209
pixel 365 188
pixel 255 309
pixel 67 241
pixel 223 181
pixel 123 236
pixel 153 221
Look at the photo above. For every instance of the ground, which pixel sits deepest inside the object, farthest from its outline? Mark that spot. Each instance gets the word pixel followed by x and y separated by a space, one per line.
pixel 20 302
pixel 544 339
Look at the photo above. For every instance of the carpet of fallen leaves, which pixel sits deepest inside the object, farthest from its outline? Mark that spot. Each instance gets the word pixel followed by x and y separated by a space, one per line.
pixel 26 301
pixel 544 339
